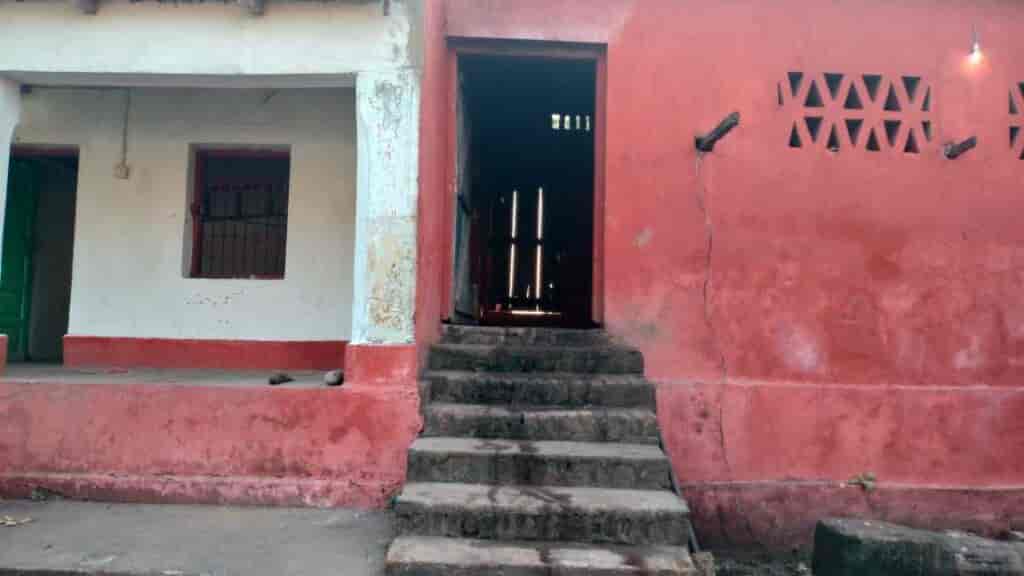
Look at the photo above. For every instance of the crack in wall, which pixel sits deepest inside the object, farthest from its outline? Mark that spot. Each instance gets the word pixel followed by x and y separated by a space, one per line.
pixel 703 204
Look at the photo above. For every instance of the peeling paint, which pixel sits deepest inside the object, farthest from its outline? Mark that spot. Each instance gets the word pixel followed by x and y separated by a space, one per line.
pixel 643 238
pixel 387 107
pixel 391 268
pixel 798 349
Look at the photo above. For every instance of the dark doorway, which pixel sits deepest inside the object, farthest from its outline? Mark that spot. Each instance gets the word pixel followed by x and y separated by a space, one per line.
pixel 35 283
pixel 525 209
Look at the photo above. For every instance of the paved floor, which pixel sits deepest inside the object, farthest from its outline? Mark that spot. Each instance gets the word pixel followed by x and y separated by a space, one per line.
pixel 113 539
pixel 56 373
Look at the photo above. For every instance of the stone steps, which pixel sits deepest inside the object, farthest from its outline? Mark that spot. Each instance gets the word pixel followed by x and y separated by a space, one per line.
pixel 505 462
pixel 425 556
pixel 539 456
pixel 546 513
pixel 576 359
pixel 539 388
pixel 521 336
pixel 626 425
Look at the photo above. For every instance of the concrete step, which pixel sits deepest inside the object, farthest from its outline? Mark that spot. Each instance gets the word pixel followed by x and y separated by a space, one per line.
pixel 576 359
pixel 425 556
pixel 552 513
pixel 540 388
pixel 628 425
pixel 521 336
pixel 508 462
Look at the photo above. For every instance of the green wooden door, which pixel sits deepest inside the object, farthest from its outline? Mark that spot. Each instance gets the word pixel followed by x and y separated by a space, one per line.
pixel 16 273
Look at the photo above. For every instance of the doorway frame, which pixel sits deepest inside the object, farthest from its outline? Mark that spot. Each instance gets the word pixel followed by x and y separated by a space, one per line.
pixel 458 46
pixel 52 151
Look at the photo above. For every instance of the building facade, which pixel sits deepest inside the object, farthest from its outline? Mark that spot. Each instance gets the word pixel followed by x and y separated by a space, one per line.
pixel 825 297
pixel 828 300
pixel 237 190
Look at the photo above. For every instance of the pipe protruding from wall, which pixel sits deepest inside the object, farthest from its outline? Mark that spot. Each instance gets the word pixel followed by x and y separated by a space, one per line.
pixel 707 142
pixel 953 150
pixel 87 6
pixel 254 7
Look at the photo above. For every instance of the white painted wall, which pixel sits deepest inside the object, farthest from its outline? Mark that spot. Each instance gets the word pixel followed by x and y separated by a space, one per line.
pixel 387 108
pixel 130 235
pixel 124 38
pixel 10 114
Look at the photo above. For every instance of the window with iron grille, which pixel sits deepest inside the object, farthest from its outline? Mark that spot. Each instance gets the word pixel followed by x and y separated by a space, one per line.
pixel 240 213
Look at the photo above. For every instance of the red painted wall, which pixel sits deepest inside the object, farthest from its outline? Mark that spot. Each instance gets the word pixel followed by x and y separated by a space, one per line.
pixel 856 311
pixel 207 444
pixel 85 351
pixel 432 261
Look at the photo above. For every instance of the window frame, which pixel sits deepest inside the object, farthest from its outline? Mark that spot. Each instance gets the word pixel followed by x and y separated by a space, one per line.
pixel 198 153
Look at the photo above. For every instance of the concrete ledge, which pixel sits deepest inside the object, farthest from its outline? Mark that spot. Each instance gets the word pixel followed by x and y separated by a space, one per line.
pixel 201 444
pixel 848 547
pixel 381 364
pixel 352 492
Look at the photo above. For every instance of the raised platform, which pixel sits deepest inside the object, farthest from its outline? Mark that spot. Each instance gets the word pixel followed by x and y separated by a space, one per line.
pixel 207 378
pixel 203 436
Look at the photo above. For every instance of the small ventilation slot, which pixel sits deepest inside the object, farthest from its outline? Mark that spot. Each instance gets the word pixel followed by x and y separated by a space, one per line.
pixel 872 83
pixel 833 140
pixel 911 147
pixel 1014 132
pixel 853 99
pixel 853 129
pixel 1013 104
pixel 795 79
pixel 833 81
pixel 911 83
pixel 926 127
pixel 778 88
pixel 873 142
pixel 892 103
pixel 892 128
pixel 814 97
pixel 794 138
pixel 927 106
pixel 813 126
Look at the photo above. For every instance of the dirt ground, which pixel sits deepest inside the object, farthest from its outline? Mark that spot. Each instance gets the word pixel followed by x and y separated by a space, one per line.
pixel 745 564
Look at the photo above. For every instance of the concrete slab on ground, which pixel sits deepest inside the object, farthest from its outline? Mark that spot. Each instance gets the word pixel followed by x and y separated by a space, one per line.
pixel 66 537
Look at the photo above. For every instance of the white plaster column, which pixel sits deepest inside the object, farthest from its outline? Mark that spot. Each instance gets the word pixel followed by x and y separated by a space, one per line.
pixel 387 127
pixel 10 114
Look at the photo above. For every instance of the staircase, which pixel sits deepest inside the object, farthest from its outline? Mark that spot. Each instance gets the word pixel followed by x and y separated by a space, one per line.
pixel 539 456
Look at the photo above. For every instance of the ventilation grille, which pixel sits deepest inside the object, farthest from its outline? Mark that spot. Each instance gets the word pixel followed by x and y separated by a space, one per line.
pixel 858 111
pixel 1017 120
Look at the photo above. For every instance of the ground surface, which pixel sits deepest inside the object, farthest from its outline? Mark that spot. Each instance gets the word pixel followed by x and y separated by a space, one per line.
pixel 82 537
pixel 191 540
pixel 739 564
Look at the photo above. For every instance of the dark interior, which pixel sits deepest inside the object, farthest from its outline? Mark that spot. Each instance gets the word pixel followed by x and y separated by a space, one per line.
pixel 528 127
pixel 35 295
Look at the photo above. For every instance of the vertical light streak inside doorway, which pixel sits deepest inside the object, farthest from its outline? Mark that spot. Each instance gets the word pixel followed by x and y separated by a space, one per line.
pixel 512 248
pixel 539 268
